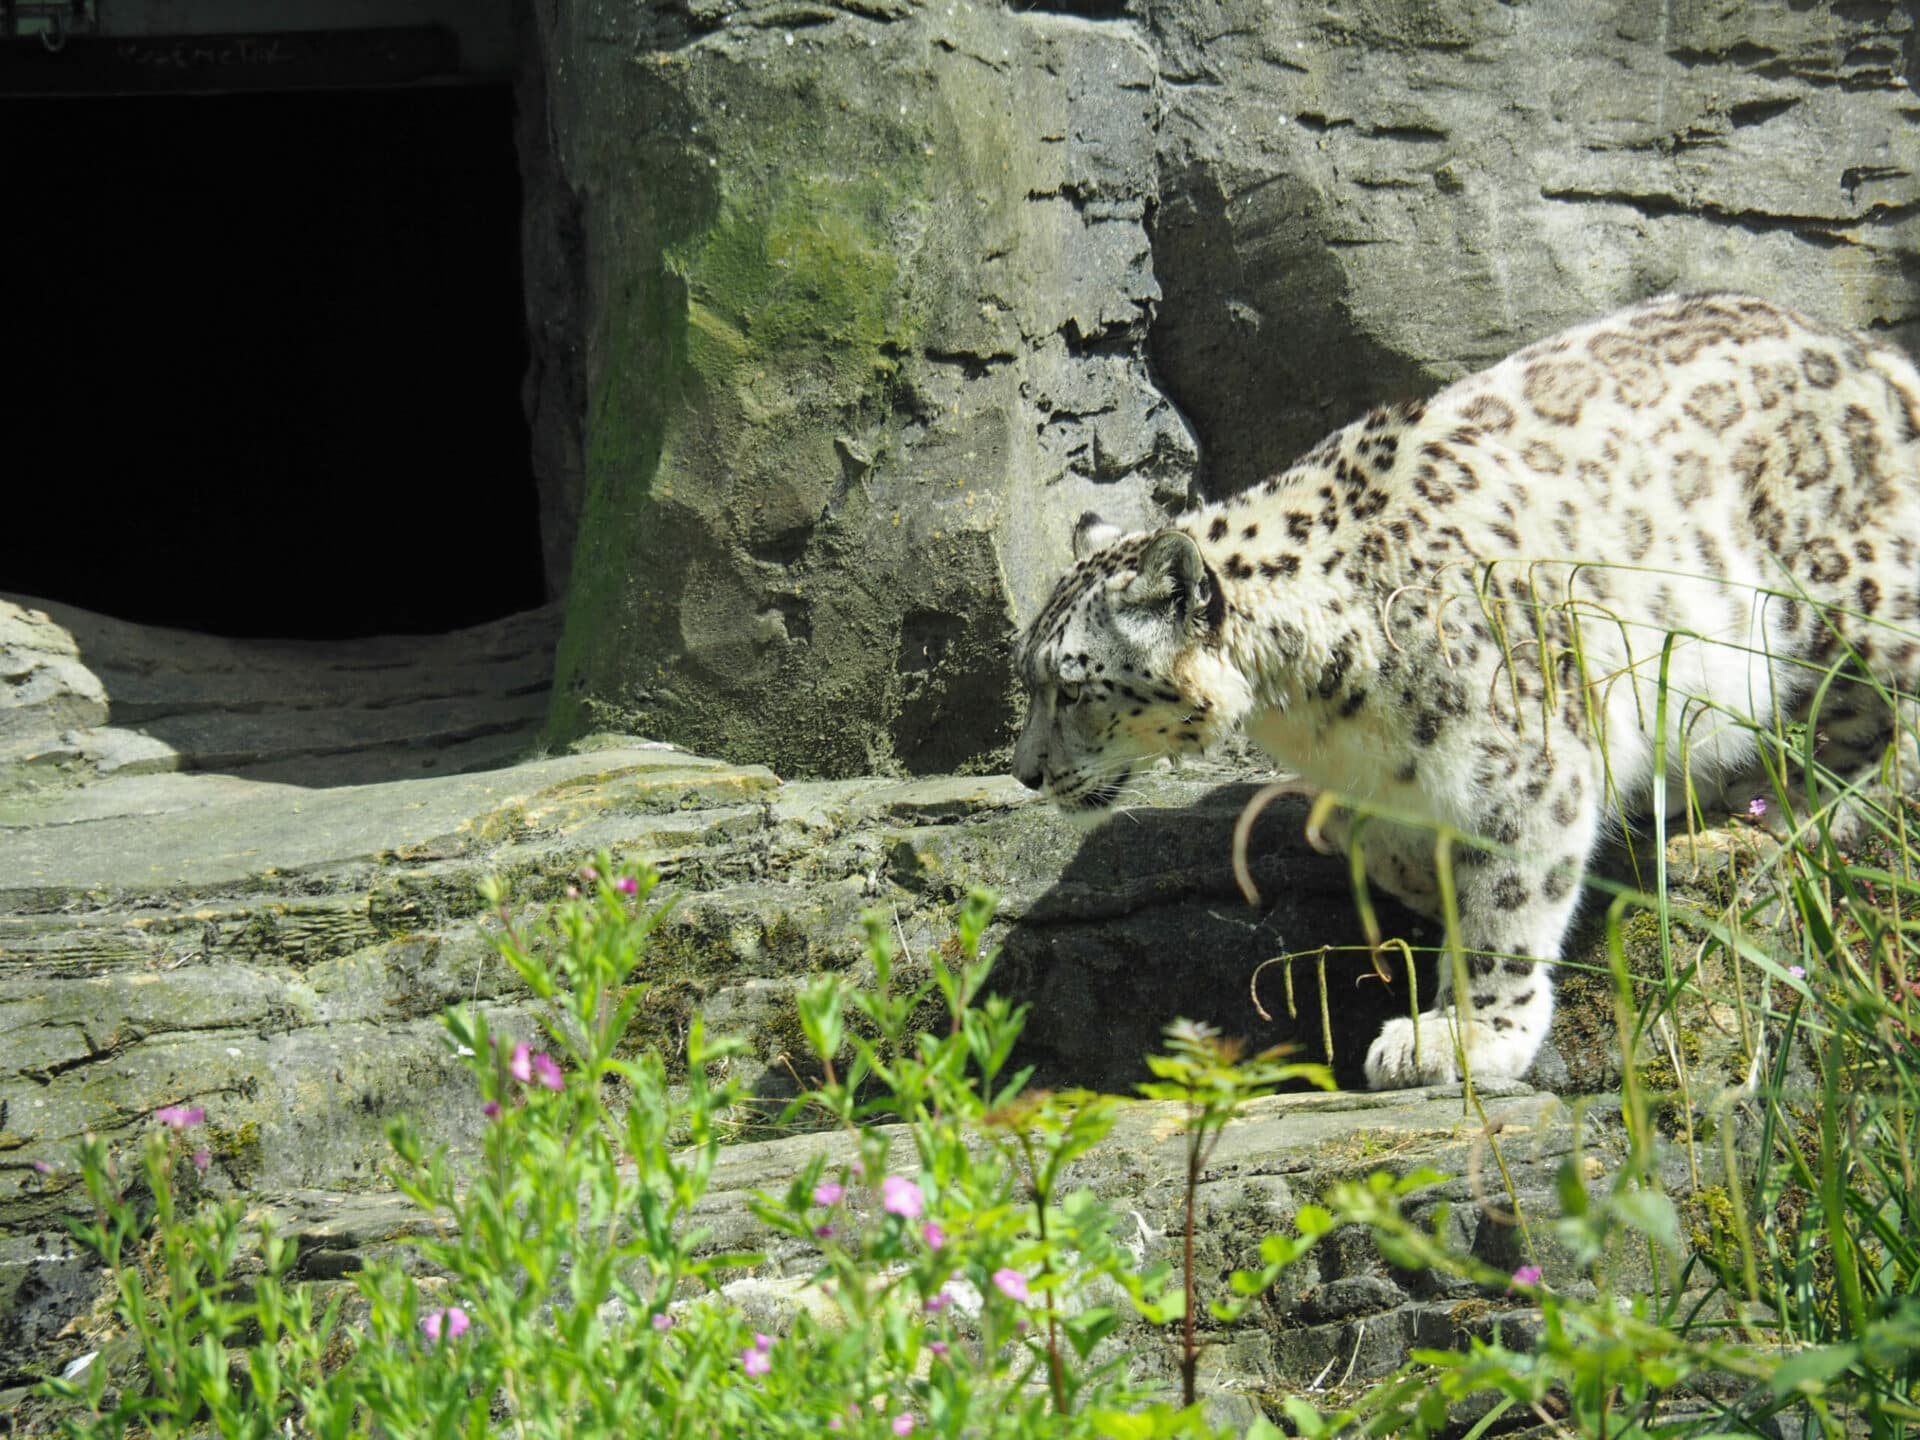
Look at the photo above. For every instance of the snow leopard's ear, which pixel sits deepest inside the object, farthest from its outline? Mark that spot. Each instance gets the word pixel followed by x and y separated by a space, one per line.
pixel 1091 534
pixel 1174 577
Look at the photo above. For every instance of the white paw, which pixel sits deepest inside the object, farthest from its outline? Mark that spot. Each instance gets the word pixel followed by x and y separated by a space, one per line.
pixel 1494 1051
pixel 1392 1061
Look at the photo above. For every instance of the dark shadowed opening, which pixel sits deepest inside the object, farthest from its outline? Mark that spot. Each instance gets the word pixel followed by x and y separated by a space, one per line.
pixel 265 355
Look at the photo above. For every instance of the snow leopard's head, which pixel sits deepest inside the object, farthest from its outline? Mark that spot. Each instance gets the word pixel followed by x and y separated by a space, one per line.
pixel 1108 663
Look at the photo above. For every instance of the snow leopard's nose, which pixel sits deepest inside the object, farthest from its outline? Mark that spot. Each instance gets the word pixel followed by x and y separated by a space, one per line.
pixel 1028 775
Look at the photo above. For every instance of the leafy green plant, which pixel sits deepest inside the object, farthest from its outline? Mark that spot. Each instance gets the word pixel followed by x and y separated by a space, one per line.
pixel 564 1284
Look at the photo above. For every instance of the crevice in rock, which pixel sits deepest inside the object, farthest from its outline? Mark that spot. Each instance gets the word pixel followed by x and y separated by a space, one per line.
pixel 1758 112
pixel 784 548
pixel 1320 124
pixel 1408 134
pixel 1822 230
pixel 973 365
pixel 1084 9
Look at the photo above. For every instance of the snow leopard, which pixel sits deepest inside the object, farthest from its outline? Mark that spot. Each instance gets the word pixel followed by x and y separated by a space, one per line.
pixel 1466 613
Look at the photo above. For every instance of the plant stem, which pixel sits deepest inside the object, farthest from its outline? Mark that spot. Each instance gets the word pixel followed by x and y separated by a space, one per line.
pixel 1189 1350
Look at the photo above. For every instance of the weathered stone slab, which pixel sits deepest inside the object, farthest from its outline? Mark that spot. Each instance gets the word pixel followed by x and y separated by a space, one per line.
pixel 270 830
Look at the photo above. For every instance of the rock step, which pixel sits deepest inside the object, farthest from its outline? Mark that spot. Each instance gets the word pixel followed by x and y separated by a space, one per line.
pixel 128 698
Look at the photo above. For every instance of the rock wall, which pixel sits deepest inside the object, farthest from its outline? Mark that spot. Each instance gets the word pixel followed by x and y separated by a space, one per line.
pixel 880 295
pixel 1363 200
pixel 869 295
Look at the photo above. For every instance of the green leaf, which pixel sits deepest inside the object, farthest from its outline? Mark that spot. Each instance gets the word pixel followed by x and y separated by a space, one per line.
pixel 1307 1421
pixel 1309 1220
pixel 1808 1371
pixel 1090 1327
pixel 1650 1212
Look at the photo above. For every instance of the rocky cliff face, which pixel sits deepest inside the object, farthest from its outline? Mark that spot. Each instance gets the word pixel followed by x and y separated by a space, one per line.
pixel 880 296
pixel 869 296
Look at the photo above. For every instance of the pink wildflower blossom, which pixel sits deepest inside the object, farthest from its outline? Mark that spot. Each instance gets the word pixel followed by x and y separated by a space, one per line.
pixel 662 1321
pixel 202 1158
pixel 180 1117
pixel 547 1072
pixel 1012 1284
pixel 450 1323
pixel 828 1192
pixel 754 1359
pixel 1756 807
pixel 1799 972
pixel 491 1109
pixel 42 1167
pixel 521 1065
pixel 903 1423
pixel 1527 1275
pixel 936 1303
pixel 627 885
pixel 901 1196
pixel 934 1235
pixel 938 1347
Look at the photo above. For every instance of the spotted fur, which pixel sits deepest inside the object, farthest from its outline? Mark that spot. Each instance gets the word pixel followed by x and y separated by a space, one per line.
pixel 1457 611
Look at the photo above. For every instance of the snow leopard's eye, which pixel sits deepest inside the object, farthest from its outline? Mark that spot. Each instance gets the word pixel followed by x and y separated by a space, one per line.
pixel 1069 693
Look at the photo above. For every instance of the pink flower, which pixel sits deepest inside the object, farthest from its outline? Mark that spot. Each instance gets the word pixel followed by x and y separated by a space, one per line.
pixel 521 1065
pixel 903 1423
pixel 938 1347
pixel 1799 972
pixel 201 1158
pixel 901 1196
pixel 754 1359
pixel 934 1235
pixel 1012 1284
pixel 589 874
pixel 547 1072
pixel 573 892
pixel 1527 1275
pixel 180 1117
pixel 936 1303
pixel 491 1109
pixel 828 1192
pixel 1756 807
pixel 823 1232
pixel 451 1323
pixel 627 885
pixel 42 1167
pixel 662 1321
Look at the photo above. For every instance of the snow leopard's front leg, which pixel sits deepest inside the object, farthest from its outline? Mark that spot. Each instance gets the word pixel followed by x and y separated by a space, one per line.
pixel 1515 902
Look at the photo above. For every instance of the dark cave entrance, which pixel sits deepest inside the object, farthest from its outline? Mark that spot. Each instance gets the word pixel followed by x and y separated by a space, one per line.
pixel 267 354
